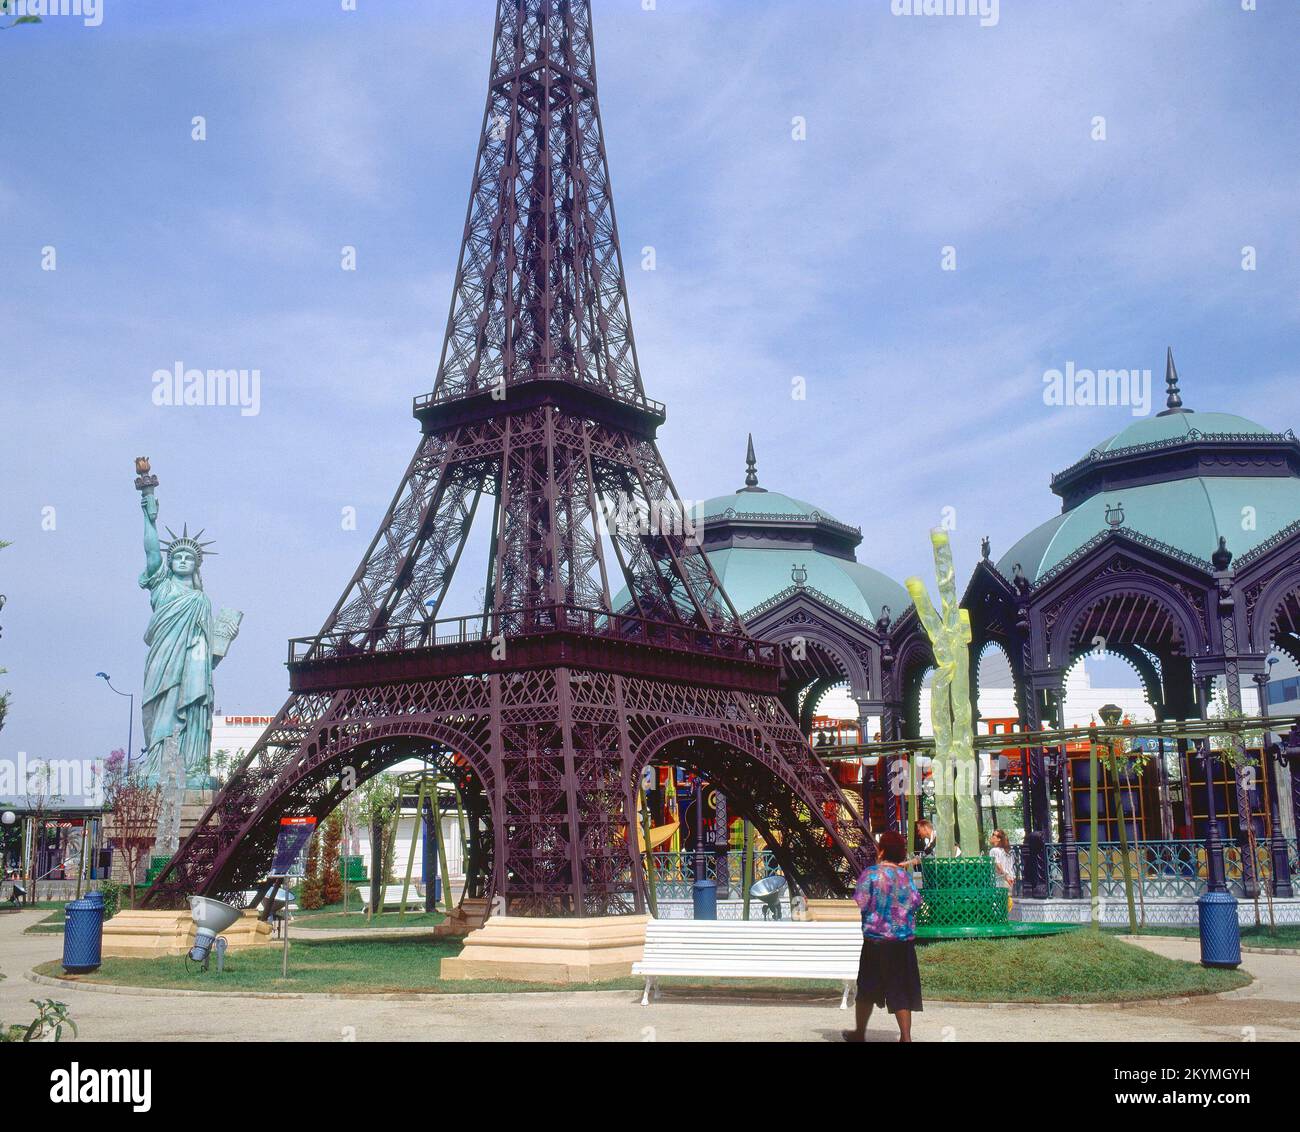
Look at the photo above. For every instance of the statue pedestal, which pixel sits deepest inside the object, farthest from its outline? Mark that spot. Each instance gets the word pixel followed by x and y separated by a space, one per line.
pixel 140 933
pixel 171 782
pixel 192 809
pixel 533 950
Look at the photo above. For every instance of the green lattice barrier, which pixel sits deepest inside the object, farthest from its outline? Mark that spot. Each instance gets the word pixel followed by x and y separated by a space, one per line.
pixel 960 891
pixel 960 900
pixel 156 866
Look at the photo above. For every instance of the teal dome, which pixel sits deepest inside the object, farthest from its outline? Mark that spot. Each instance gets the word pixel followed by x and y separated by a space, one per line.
pixel 1187 514
pixel 763 543
pixel 762 503
pixel 752 576
pixel 1179 426
pixel 1182 478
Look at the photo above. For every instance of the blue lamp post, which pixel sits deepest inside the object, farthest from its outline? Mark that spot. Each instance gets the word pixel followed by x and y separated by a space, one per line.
pixel 704 892
pixel 130 719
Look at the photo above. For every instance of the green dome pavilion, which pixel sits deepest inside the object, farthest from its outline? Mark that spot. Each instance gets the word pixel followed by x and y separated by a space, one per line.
pixel 764 543
pixel 1180 478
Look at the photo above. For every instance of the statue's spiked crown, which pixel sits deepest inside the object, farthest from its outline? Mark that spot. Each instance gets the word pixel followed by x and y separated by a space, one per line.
pixel 186 541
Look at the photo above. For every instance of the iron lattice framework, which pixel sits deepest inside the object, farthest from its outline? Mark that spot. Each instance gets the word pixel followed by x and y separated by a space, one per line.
pixel 552 698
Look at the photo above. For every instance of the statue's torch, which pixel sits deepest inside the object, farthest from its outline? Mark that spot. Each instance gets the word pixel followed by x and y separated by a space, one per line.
pixel 144 481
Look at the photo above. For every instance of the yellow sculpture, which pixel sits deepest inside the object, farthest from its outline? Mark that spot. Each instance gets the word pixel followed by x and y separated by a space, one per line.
pixel 955 767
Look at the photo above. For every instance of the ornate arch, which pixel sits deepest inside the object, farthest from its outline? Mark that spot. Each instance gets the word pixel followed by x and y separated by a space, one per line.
pixel 367 744
pixel 1115 602
pixel 849 647
pixel 1273 612
pixel 819 851
pixel 1142 668
pixel 913 659
pixel 1004 647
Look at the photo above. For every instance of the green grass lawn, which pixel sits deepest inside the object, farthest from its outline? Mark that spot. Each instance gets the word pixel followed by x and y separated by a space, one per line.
pixel 1076 967
pixel 1081 966
pixel 1284 935
pixel 333 916
pixel 50 925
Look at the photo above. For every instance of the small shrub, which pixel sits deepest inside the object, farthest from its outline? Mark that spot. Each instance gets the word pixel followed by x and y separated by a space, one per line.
pixel 51 1017
pixel 111 890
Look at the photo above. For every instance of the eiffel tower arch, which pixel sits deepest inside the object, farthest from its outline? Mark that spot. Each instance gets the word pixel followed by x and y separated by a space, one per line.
pixel 604 639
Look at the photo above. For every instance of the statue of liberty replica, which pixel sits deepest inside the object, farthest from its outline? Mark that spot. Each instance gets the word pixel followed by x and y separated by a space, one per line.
pixel 185 644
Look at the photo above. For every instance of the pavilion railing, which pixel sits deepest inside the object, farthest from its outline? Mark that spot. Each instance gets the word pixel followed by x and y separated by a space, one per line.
pixel 675 872
pixel 1161 870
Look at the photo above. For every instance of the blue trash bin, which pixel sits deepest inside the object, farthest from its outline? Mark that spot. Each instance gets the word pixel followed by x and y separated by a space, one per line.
pixel 95 897
pixel 83 936
pixel 704 899
pixel 1216 916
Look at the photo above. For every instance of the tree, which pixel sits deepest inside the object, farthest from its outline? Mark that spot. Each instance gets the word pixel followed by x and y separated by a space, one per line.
pixel 134 805
pixel 331 880
pixel 311 895
pixel 380 798
pixel 219 761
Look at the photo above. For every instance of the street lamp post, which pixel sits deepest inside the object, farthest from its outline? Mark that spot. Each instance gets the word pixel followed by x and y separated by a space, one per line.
pixel 1272 757
pixel 1215 880
pixel 704 892
pixel 1110 716
pixel 130 720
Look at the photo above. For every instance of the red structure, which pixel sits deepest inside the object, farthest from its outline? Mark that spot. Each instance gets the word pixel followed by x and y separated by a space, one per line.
pixel 605 640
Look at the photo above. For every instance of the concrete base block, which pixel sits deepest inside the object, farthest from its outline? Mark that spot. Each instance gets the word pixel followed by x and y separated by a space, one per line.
pixel 534 950
pixel 144 934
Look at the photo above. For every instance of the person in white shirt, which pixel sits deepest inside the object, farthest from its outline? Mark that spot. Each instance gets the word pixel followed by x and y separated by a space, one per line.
pixel 1004 874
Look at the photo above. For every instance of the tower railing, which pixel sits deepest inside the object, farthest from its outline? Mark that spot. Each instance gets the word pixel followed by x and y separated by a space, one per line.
pixel 525 375
pixel 478 629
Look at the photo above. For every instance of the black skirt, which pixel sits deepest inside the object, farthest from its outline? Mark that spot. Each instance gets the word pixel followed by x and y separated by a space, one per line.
pixel 888 975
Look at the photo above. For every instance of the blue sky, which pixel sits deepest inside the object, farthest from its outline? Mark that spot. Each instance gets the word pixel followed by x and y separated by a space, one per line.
pixel 774 258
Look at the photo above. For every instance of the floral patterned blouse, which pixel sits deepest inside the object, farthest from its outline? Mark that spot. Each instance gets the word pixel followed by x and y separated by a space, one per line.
pixel 889 898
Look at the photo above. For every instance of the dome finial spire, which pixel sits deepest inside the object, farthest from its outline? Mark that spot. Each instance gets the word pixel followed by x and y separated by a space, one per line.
pixel 751 468
pixel 1173 398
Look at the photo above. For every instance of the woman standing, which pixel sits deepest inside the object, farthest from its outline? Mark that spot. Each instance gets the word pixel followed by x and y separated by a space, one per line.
pixel 887 972
pixel 1003 869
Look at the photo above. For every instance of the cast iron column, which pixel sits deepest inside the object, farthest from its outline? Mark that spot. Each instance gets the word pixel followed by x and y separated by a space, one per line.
pixel 429 865
pixel 1069 843
pixel 1222 559
pixel 1276 841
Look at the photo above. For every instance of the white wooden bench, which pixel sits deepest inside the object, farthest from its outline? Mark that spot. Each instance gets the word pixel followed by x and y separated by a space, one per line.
pixel 751 949
pixel 392 896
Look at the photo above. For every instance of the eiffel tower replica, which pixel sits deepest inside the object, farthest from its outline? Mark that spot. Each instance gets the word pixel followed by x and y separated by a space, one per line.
pixel 605 641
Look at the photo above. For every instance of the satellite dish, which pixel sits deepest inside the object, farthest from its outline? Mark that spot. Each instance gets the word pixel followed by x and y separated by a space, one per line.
pixel 769 890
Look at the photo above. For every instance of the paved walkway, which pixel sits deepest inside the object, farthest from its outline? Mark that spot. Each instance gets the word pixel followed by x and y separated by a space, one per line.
pixel 1271 1006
